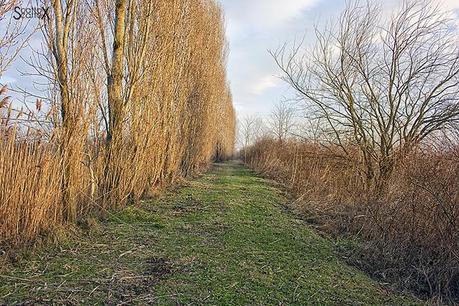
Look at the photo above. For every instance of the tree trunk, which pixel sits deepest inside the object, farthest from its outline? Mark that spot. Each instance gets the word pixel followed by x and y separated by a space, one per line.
pixel 60 50
pixel 115 77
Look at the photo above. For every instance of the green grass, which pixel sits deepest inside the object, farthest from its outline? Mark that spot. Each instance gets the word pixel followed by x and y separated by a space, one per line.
pixel 223 239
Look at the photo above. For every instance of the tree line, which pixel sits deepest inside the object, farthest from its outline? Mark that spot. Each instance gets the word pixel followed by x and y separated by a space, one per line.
pixel 133 96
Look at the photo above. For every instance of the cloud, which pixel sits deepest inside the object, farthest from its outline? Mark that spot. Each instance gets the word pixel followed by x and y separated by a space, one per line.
pixel 450 4
pixel 252 28
pixel 264 83
pixel 256 15
pixel 255 26
pixel 274 12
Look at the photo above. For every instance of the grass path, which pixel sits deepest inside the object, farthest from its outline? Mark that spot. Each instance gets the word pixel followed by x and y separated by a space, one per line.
pixel 223 239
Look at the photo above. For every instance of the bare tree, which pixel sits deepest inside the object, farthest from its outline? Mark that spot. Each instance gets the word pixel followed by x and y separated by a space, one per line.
pixel 380 87
pixel 63 19
pixel 281 121
pixel 251 128
pixel 59 36
pixel 14 36
pixel 115 77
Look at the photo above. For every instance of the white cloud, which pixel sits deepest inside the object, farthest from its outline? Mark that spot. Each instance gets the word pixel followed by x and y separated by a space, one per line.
pixel 264 83
pixel 255 26
pixel 262 14
pixel 450 4
pixel 275 12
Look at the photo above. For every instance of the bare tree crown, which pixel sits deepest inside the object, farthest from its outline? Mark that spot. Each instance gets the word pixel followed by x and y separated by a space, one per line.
pixel 380 86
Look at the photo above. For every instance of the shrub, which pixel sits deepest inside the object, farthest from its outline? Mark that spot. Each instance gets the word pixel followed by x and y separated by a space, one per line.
pixel 408 232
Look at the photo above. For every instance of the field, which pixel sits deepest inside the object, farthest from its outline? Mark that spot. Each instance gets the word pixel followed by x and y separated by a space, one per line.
pixel 225 238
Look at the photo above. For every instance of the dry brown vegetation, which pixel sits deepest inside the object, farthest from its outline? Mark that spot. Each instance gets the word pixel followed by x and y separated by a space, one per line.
pixel 407 235
pixel 380 161
pixel 137 97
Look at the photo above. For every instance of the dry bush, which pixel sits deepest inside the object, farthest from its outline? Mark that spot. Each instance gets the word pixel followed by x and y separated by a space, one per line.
pixel 375 83
pixel 409 234
pixel 416 229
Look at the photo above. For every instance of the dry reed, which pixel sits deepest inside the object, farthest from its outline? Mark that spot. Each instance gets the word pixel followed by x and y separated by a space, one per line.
pixel 177 116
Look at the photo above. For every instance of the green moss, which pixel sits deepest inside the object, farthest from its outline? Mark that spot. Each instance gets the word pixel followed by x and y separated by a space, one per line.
pixel 133 214
pixel 225 239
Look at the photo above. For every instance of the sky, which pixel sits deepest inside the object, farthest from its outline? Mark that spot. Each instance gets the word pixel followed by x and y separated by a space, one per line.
pixel 252 28
pixel 255 26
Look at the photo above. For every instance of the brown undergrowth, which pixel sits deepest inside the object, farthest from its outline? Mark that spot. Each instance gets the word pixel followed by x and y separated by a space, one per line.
pixel 407 230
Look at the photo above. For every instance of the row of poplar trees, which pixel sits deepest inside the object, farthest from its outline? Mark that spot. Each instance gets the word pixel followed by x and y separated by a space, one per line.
pixel 138 98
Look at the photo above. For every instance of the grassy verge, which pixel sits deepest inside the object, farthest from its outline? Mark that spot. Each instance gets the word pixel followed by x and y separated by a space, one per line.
pixel 223 239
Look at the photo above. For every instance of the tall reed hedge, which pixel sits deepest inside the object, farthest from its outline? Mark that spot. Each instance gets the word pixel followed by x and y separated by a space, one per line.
pixel 60 163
